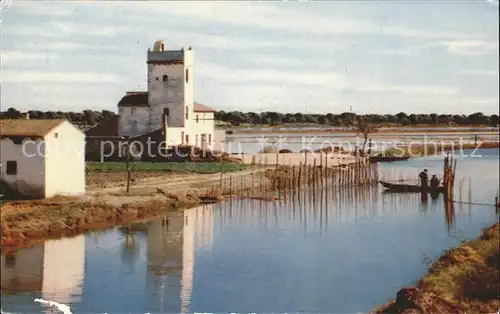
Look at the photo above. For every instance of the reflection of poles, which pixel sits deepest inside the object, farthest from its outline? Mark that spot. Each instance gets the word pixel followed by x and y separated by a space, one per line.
pixel 450 166
pixel 449 214
pixel 129 239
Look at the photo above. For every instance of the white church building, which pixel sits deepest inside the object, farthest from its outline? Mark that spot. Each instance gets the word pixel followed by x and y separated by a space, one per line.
pixel 168 104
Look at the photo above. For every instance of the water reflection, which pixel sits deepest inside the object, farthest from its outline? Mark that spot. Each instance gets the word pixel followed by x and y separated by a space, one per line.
pixel 170 247
pixel 55 268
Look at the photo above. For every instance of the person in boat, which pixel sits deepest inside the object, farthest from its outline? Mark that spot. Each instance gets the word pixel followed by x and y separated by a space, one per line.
pixel 434 182
pixel 424 177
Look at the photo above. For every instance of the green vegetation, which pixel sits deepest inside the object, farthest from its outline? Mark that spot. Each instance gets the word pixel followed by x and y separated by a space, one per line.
pixel 469 274
pixel 462 280
pixel 196 167
pixel 235 118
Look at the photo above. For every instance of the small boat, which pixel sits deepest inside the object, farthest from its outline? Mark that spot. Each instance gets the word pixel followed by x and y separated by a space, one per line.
pixel 409 188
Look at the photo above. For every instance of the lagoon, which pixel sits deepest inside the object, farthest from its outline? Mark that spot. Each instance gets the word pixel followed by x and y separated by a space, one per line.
pixel 346 252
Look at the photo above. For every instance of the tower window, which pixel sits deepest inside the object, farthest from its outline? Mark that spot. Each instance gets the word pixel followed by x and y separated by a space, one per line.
pixel 187 112
pixel 10 261
pixel 166 111
pixel 165 78
pixel 157 78
pixel 187 75
pixel 197 118
pixel 187 139
pixel 133 111
pixel 182 138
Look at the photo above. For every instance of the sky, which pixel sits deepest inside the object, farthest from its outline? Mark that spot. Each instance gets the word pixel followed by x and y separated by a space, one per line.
pixel 295 56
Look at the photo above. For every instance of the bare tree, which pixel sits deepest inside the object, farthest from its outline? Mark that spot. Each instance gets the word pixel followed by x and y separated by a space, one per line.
pixel 363 128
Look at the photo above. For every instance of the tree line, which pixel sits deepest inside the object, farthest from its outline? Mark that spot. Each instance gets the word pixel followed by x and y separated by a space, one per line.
pixel 91 117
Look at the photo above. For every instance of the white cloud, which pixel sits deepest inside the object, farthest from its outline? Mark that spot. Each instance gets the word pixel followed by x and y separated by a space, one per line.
pixel 70 28
pixel 397 52
pixel 41 8
pixel 62 77
pixel 407 89
pixel 281 17
pixel 482 72
pixel 290 76
pixel 55 29
pixel 480 101
pixel 12 56
pixel 471 47
pixel 58 45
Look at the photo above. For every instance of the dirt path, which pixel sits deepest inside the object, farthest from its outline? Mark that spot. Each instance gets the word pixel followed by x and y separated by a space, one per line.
pixel 146 189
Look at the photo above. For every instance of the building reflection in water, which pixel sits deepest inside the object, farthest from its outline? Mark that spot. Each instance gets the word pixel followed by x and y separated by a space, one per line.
pixel 171 249
pixel 56 268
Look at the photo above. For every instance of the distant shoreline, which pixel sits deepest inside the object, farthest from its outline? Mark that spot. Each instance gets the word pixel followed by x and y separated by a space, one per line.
pixel 290 129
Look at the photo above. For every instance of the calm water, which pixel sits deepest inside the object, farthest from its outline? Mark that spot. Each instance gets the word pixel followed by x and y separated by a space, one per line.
pixel 340 253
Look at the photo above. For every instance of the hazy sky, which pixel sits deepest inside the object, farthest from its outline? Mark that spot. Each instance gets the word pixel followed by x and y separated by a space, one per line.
pixel 379 57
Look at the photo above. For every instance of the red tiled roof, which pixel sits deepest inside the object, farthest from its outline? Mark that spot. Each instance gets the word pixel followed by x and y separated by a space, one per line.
pixel 202 108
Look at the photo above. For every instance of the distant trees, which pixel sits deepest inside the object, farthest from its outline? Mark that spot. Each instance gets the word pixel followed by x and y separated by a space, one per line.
pixel 91 117
pixel 87 117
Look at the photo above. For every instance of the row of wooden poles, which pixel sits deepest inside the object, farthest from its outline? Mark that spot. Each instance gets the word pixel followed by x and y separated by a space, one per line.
pixel 293 178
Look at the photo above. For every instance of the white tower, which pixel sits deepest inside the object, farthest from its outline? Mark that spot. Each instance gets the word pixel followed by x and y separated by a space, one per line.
pixel 170 85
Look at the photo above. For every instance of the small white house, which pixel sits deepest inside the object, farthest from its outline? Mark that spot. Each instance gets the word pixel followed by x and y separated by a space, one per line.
pixel 169 103
pixel 42 158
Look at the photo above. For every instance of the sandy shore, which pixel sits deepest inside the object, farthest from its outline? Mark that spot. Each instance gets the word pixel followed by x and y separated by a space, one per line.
pixel 295 159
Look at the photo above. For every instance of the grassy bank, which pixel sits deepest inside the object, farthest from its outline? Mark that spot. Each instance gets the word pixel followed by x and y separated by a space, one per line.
pixel 25 223
pixel 462 280
pixel 418 150
pixel 192 167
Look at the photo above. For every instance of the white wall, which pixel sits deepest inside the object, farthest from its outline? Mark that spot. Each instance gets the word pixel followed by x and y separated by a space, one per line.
pixel 220 140
pixel 64 269
pixel 65 161
pixel 204 125
pixel 189 87
pixel 30 177
pixel 174 136
pixel 197 233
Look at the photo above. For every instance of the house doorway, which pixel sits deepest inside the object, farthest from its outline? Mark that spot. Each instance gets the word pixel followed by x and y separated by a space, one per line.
pixel 204 145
